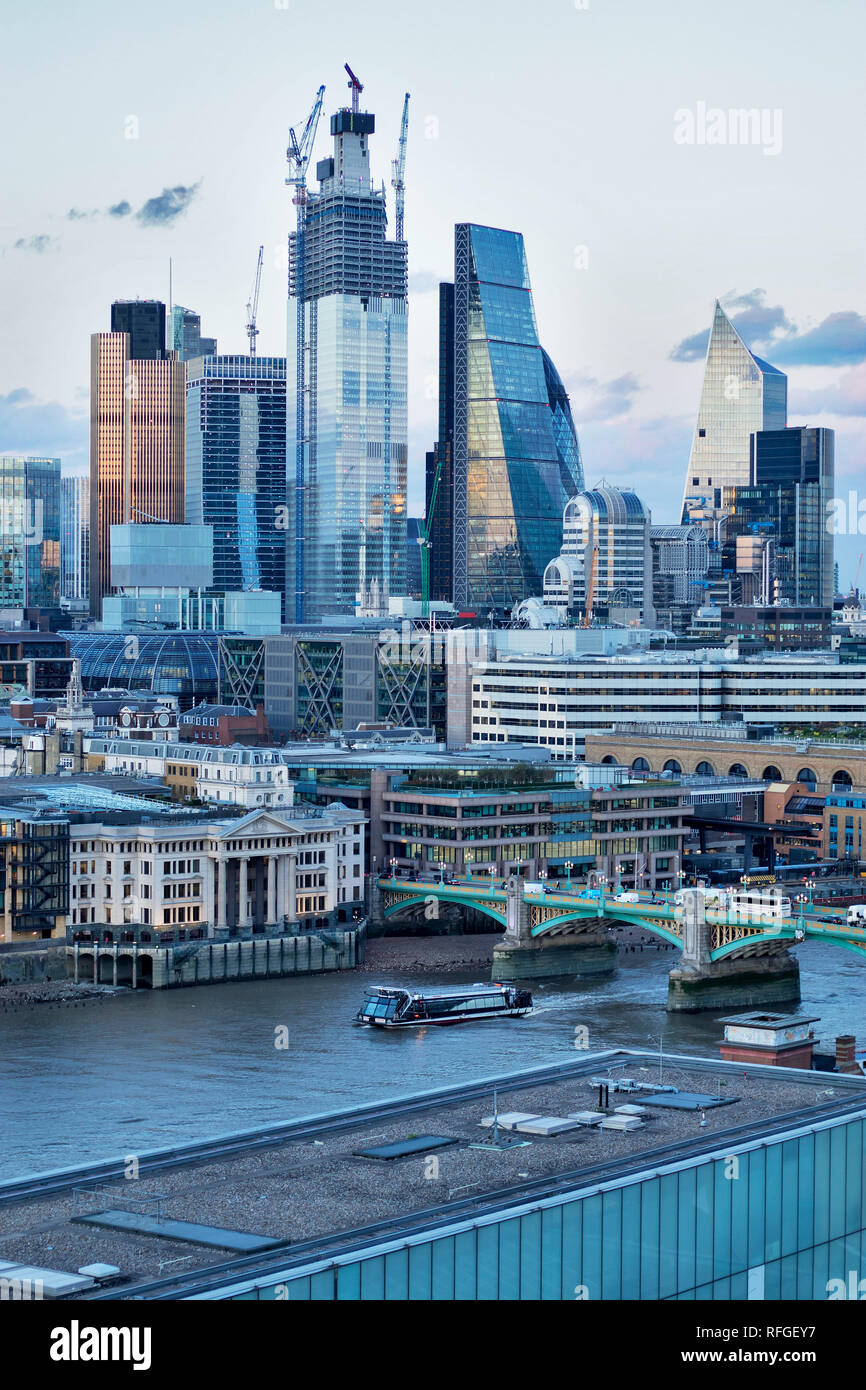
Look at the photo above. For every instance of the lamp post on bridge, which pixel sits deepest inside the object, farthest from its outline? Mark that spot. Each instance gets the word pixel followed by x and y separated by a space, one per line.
pixel 492 872
pixel 568 868
pixel 467 861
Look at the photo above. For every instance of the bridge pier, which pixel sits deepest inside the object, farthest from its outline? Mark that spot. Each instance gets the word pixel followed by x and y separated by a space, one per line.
pixel 700 983
pixel 522 956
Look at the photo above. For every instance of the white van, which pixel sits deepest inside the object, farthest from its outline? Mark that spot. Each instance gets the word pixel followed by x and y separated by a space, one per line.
pixel 627 898
pixel 857 915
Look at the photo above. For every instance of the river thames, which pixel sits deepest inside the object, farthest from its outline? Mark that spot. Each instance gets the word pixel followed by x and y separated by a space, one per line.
pixel 143 1071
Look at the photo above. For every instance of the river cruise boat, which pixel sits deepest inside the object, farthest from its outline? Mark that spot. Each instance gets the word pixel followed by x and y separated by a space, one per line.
pixel 386 1007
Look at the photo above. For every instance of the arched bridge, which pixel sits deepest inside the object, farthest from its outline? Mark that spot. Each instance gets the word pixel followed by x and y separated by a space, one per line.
pixel 718 934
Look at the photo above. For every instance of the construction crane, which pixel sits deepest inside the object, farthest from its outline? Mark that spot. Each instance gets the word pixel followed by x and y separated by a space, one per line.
pixel 355 86
pixel 298 155
pixel 398 167
pixel 253 305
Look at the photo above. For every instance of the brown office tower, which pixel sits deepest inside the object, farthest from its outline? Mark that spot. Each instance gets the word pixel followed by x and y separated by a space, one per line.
pixel 136 431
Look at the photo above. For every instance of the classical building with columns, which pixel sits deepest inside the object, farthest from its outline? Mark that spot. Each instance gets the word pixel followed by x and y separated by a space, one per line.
pixel 215 875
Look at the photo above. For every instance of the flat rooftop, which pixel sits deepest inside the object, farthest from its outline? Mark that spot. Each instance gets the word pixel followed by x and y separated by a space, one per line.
pixel 313 1187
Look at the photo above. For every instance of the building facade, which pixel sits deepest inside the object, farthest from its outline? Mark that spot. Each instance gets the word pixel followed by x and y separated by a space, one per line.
pixel 75 538
pixel 740 395
pixel 29 532
pixel 136 432
pixel 184 335
pixel 516 459
pixel 346 416
pixel 236 467
pixel 267 870
pixel 605 565
pixel 559 703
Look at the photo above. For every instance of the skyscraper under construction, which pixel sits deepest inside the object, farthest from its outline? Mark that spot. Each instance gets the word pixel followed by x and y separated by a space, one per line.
pixel 346 385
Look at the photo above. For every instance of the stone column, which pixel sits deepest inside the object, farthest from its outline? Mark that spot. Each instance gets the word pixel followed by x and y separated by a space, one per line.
pixel 209 895
pixel 221 914
pixel 292 908
pixel 244 918
pixel 271 915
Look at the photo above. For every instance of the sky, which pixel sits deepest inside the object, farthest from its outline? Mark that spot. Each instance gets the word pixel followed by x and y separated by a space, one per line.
pixel 137 135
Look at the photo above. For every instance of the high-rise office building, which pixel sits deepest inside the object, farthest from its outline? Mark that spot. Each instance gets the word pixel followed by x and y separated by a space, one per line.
pixel 347 431
pixel 439 475
pixel 741 394
pixel 787 500
pixel 75 537
pixel 136 432
pixel 29 532
pixel 144 321
pixel 236 467
pixel 606 558
pixel 184 335
pixel 516 456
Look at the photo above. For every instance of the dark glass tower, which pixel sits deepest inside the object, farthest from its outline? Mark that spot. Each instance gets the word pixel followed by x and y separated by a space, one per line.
pixel 516 456
pixel 144 321
pixel 792 482
pixel 236 467
pixel 442 458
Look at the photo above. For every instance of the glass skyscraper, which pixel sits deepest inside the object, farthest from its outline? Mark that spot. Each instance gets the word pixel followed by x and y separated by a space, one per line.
pixel 347 437
pixel 516 458
pixel 236 467
pixel 29 532
pixel 787 498
pixel 75 537
pixel 184 335
pixel 741 394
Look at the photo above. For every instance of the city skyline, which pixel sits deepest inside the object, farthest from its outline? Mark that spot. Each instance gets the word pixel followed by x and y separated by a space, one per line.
pixel 626 301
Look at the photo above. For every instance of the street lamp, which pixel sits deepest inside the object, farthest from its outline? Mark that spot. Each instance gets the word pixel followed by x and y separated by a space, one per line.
pixel 568 868
pixel 393 863
pixel 491 869
pixel 467 860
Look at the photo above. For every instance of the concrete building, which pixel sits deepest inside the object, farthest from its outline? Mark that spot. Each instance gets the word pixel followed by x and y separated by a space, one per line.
pixel 558 703
pixel 526 821
pixel 745 750
pixel 301 865
pixel 605 565
pixel 34 663
pixel 34 874
pixel 136 432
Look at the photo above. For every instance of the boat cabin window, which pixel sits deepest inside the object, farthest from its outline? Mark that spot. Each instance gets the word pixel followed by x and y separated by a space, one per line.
pixel 378 1007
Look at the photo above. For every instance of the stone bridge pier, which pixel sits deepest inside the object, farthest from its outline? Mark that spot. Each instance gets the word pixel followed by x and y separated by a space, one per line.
pixel 764 974
pixel 583 948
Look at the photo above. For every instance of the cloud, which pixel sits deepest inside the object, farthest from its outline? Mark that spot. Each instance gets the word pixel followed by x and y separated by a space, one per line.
pixel 31 426
pixel 601 400
pixel 76 215
pixel 170 204
pixel 839 340
pixel 844 397
pixel 40 244
pixel 122 209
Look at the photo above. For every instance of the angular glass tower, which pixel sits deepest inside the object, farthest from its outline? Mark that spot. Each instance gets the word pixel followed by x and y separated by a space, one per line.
pixel 236 467
pixel 741 394
pixel 347 528
pixel 516 456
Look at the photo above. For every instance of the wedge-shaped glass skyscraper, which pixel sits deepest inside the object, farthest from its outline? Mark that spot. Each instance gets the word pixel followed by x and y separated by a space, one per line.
pixel 516 455
pixel 741 394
